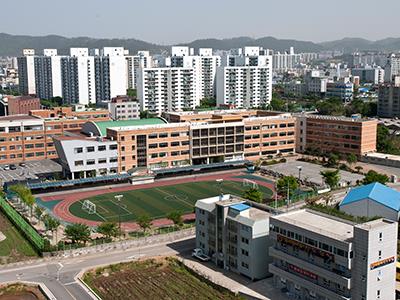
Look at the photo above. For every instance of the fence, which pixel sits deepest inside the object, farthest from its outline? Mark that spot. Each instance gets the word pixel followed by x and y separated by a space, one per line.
pixel 23 226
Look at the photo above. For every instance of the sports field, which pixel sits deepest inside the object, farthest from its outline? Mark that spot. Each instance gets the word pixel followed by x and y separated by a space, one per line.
pixel 157 202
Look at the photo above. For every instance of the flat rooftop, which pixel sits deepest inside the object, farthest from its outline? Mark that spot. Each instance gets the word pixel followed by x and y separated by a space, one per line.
pixel 375 224
pixel 319 223
pixel 18 118
pixel 383 155
pixel 336 118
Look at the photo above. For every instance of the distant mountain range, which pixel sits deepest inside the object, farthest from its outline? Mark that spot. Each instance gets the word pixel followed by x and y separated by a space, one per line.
pixel 12 45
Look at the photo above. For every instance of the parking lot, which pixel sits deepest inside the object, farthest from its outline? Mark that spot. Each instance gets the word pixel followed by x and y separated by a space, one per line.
pixel 310 172
pixel 31 170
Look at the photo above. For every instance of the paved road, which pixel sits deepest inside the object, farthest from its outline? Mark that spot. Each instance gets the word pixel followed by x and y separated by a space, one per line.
pixel 66 288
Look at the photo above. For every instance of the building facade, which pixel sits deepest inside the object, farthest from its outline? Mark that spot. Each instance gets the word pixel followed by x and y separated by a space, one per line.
pixel 22 105
pixel 167 89
pixel 26 72
pixel 124 108
pixel 389 100
pixel 329 134
pixel 317 256
pixel 234 234
pixel 369 74
pixel 341 90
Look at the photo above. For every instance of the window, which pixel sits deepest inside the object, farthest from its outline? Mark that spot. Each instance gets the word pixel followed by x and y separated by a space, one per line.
pixel 102 148
pixel 380 254
pixel 102 160
pixel 78 163
pixel 90 162
pixel 90 149
pixel 244 265
pixel 163 135
pixel 380 236
pixel 245 240
pixel 113 147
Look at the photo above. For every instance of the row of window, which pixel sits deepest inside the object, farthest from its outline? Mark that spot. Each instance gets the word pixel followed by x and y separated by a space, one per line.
pixel 165 145
pixel 90 162
pixel 93 148
pixel 19 138
pixel 27 155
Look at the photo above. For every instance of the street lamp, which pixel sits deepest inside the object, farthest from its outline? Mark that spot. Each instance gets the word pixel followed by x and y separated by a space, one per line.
pixel 300 168
pixel 118 198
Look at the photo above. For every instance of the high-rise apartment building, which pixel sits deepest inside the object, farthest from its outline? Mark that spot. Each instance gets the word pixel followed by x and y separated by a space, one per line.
pixel 389 100
pixel 244 80
pixel 368 74
pixel 392 67
pixel 167 89
pixel 26 72
pixel 287 61
pixel 133 63
pixel 317 256
pixel 84 77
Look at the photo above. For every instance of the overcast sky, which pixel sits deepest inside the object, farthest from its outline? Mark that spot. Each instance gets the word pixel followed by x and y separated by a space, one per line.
pixel 172 21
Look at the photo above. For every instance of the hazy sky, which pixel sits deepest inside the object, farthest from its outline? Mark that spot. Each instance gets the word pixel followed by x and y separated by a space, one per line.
pixel 172 21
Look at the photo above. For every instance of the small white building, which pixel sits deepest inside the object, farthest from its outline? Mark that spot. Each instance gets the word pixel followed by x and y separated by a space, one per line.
pixel 372 200
pixel 124 108
pixel 234 234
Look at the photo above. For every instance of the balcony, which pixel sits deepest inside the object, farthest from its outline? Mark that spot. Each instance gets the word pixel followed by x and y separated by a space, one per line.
pixel 333 295
pixel 333 275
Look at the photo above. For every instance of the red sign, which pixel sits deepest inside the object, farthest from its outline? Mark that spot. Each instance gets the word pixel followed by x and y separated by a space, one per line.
pixel 303 272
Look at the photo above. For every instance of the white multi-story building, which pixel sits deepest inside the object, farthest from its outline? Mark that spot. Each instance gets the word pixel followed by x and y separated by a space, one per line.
pixel 133 63
pixel 84 77
pixel 167 89
pixel 26 72
pixel 392 67
pixel 245 80
pixel 283 62
pixel 317 256
pixel 124 108
pixel 48 74
pixel 234 234
pixel 368 74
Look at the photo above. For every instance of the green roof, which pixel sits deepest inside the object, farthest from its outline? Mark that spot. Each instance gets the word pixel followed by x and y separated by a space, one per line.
pixel 125 123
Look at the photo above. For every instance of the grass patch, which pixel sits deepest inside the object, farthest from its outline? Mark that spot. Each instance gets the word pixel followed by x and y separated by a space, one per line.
pixel 161 278
pixel 20 291
pixel 15 247
pixel 158 202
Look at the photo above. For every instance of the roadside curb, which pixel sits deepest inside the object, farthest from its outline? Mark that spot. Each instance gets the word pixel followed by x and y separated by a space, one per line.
pixel 42 287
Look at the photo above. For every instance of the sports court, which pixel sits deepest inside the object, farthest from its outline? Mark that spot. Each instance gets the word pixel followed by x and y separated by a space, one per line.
pixel 157 202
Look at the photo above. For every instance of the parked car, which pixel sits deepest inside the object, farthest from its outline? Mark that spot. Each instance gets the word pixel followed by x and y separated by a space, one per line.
pixel 198 253
pixel 13 167
pixel 22 165
pixel 6 167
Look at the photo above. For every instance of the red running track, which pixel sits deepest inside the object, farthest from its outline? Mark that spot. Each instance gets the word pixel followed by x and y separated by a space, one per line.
pixel 61 210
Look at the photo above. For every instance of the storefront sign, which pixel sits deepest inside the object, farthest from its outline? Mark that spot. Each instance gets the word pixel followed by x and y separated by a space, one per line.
pixel 382 263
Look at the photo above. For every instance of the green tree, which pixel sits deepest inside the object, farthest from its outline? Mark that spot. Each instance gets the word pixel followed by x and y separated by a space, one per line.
pixel 77 233
pixel 38 213
pixel 358 169
pixel 373 176
pixel 144 221
pixel 253 194
pixel 333 160
pixel 351 159
pixel 51 224
pixel 332 107
pixel 108 229
pixel 25 195
pixel 131 93
pixel 331 178
pixel 208 102
pixel 287 183
pixel 146 115
pixel 176 217
pixel 278 104
pixel 385 141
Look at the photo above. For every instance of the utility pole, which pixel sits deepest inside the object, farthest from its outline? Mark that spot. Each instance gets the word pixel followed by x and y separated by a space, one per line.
pixel 288 197
pixel 118 198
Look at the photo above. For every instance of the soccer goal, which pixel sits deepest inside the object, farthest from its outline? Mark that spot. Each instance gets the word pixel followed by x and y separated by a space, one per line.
pixel 250 183
pixel 89 207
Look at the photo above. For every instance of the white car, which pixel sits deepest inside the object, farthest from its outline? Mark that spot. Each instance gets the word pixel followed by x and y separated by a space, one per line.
pixel 198 253
pixel 6 167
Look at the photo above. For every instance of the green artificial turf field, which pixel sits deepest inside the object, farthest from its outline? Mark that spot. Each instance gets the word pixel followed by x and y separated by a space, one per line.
pixel 157 202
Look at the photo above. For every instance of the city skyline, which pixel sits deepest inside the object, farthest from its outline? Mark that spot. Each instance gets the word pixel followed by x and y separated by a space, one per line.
pixel 174 22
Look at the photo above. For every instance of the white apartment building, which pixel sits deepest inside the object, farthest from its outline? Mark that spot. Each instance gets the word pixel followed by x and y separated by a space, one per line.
pixel 166 89
pixel 245 81
pixel 48 74
pixel 84 77
pixel 234 234
pixel 392 67
pixel 26 72
pixel 368 74
pixel 204 66
pixel 317 256
pixel 78 77
pixel 134 63
pixel 283 62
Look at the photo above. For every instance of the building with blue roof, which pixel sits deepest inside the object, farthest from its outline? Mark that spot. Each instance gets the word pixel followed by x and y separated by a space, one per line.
pixel 374 199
